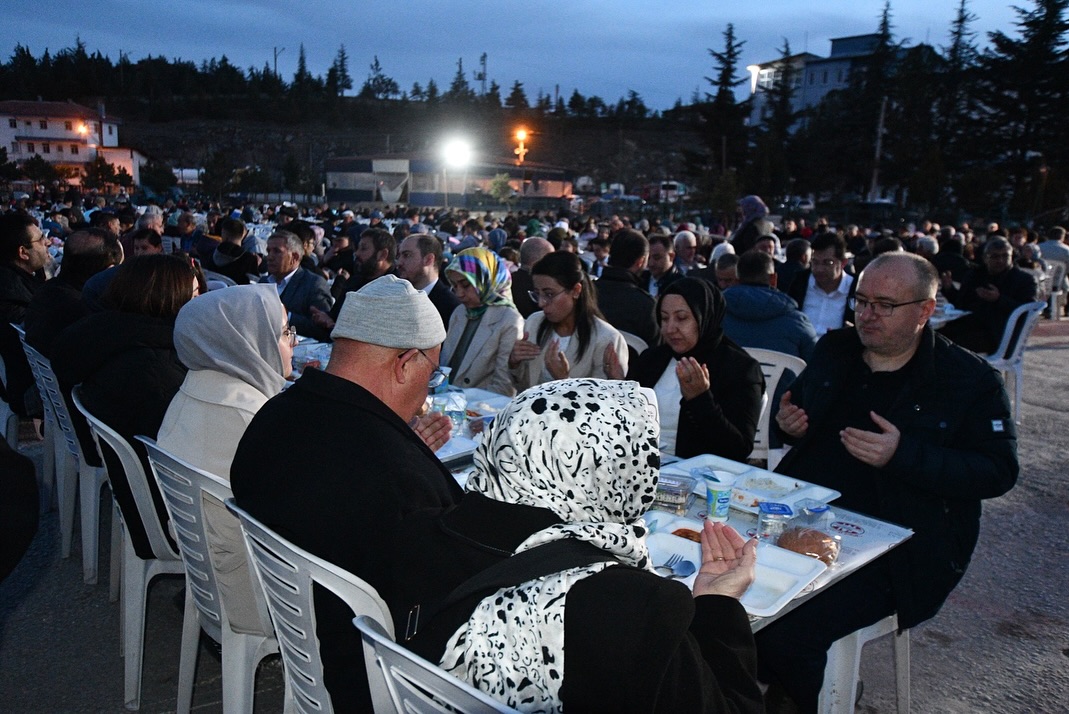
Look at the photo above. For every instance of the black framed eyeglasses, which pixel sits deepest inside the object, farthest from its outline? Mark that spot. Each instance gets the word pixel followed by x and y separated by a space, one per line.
pixel 437 377
pixel 879 308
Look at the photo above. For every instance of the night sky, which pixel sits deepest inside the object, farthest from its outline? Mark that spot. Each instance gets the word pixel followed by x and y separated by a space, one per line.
pixel 600 47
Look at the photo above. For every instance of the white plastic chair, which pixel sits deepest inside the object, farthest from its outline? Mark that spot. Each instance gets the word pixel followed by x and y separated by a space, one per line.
pixel 773 364
pixel 137 574
pixel 73 474
pixel 1009 357
pixel 635 342
pixel 839 692
pixel 46 477
pixel 404 682
pixel 183 486
pixel 286 574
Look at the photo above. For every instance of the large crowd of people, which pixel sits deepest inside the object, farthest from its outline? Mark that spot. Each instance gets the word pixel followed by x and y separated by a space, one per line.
pixel 624 340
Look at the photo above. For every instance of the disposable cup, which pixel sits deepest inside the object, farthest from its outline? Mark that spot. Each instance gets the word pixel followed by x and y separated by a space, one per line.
pixel 718 486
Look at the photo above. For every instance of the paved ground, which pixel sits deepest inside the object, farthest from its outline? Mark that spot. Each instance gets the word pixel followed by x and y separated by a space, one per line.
pixel 1001 644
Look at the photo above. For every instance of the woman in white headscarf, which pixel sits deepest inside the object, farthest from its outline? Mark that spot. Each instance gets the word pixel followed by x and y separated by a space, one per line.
pixel 238 348
pixel 574 464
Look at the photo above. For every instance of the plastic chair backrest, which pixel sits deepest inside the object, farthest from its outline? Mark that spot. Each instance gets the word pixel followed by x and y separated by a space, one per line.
pixel 634 342
pixel 183 486
pixel 411 683
pixel 1018 329
pixel 286 573
pixel 135 477
pixel 52 401
pixel 773 365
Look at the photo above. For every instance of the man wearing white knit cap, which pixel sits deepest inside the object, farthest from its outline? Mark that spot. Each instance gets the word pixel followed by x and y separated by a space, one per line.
pixel 333 465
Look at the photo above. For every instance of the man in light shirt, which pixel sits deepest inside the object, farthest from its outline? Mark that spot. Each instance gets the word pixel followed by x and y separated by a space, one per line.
pixel 823 291
pixel 418 261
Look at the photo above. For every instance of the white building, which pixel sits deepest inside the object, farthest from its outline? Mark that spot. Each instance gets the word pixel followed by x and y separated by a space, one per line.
pixel 65 134
pixel 814 76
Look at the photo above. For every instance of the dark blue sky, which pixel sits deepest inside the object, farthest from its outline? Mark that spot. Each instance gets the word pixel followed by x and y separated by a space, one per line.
pixel 602 47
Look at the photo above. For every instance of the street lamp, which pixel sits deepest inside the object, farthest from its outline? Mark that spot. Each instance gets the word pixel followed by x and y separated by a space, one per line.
pixel 457 155
pixel 521 149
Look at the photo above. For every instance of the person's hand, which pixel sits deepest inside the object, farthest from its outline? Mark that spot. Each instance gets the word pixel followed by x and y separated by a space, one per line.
pixel 343 274
pixel 613 369
pixel 693 378
pixel 874 448
pixel 522 351
pixel 434 429
pixel 791 418
pixel 727 562
pixel 320 318
pixel 556 362
pixel 987 293
pixel 946 279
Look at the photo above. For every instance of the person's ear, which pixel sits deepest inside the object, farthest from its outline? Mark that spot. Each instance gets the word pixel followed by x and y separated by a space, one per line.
pixel 773 279
pixel 401 363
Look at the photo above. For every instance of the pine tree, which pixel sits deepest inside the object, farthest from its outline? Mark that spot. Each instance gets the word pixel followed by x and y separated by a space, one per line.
pixel 459 92
pixel 517 98
pixel 378 85
pixel 725 128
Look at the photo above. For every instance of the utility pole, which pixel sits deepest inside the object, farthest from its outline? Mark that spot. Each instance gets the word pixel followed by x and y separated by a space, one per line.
pixel 879 149
pixel 278 51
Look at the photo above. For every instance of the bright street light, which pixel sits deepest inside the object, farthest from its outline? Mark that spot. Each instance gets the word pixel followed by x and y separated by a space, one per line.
pixel 457 153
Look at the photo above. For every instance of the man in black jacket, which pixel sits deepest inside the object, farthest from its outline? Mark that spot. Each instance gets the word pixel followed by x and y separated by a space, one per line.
pixel 909 428
pixel 621 299
pixel 823 291
pixel 419 260
pixel 23 253
pixel 660 265
pixel 332 463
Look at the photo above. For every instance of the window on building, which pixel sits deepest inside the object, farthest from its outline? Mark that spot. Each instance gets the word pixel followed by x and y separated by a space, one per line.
pixel 46 148
pixel 13 123
pixel 825 80
pixel 68 125
pixel 59 148
pixel 812 78
pixel 111 129
pixel 44 123
pixel 30 148
pixel 15 147
pixel 74 149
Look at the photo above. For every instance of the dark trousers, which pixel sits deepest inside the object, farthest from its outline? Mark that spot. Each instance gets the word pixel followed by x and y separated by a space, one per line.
pixel 793 651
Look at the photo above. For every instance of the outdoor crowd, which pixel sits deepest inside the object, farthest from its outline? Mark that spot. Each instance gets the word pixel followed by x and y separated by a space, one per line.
pixel 624 341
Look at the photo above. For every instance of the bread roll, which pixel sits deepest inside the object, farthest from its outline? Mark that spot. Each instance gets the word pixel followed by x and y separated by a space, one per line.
pixel 811 542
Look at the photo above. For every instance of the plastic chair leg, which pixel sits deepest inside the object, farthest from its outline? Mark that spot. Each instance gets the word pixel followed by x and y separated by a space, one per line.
pixel 115 567
pixel 89 492
pixel 135 596
pixel 187 665
pixel 66 491
pixel 241 655
pixel 47 480
pixel 901 644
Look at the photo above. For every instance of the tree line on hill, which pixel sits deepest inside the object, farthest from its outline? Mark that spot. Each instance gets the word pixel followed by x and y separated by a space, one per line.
pixel 964 129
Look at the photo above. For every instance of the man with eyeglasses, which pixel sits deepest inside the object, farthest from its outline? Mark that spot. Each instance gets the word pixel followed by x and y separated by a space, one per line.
pixel 23 257
pixel 823 290
pixel 335 461
pixel 990 292
pixel 910 428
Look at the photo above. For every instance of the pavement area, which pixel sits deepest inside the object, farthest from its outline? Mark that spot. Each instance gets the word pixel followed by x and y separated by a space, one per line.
pixel 1000 644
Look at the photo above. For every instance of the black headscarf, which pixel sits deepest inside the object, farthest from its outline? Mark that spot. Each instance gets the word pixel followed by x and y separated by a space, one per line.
pixel 708 306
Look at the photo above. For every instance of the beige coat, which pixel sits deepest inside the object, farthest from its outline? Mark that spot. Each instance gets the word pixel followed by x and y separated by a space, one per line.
pixel 203 426
pixel 486 363
pixel 592 363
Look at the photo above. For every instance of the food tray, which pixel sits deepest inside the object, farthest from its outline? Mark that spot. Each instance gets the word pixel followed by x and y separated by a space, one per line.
pixel 780 575
pixel 485 403
pixel 754 485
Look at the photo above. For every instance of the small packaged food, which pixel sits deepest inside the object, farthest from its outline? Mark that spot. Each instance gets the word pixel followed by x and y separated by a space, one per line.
pixel 772 520
pixel 675 493
pixel 812 542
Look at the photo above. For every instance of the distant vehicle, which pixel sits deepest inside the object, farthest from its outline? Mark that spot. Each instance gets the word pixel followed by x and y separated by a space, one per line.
pixel 664 192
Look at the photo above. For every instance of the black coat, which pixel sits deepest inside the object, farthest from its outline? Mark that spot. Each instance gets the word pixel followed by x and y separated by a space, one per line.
pixel 625 305
pixel 333 469
pixel 54 308
pixel 444 300
pixel 982 330
pixel 17 288
pixel 958 445
pixel 522 283
pixel 633 641
pixel 129 372
pixel 723 420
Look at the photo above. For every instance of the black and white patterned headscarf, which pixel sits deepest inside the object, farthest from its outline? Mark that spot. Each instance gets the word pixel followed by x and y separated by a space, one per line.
pixel 585 449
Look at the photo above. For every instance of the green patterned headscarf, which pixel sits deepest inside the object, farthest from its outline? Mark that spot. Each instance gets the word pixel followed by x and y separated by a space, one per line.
pixel 488 274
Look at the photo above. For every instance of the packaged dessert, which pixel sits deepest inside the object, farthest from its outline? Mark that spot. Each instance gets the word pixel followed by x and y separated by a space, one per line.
pixel 772 520
pixel 675 493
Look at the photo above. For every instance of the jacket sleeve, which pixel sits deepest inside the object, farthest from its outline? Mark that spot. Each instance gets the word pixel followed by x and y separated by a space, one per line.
pixel 655 648
pixel 978 460
pixel 724 424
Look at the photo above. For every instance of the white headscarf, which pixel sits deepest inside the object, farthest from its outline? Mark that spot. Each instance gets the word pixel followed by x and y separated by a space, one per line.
pixel 234 331
pixel 585 449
